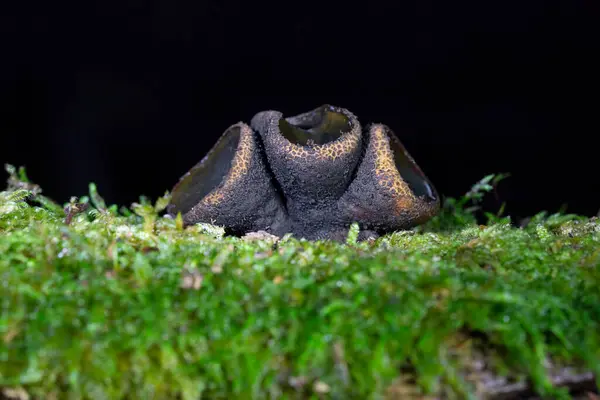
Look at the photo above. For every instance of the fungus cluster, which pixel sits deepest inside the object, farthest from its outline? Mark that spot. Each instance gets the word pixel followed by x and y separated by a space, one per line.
pixel 311 175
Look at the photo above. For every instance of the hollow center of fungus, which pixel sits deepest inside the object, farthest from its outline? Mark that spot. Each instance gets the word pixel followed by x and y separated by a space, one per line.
pixel 319 127
pixel 410 172
pixel 208 173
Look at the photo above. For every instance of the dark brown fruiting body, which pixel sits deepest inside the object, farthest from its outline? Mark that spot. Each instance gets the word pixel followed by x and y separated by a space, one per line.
pixel 230 187
pixel 385 199
pixel 311 175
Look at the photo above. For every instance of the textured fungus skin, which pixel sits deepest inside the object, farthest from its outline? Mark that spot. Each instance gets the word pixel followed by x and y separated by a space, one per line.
pixel 245 199
pixel 311 175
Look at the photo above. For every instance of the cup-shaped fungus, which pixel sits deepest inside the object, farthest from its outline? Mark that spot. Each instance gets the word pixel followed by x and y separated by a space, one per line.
pixel 230 187
pixel 312 157
pixel 311 175
pixel 389 192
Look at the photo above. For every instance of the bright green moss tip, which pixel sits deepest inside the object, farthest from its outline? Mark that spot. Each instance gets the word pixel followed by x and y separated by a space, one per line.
pixel 125 303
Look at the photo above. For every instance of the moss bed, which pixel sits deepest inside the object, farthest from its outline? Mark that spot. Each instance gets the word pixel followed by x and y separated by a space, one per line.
pixel 102 302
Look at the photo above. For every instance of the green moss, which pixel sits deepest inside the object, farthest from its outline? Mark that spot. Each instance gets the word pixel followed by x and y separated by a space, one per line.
pixel 124 303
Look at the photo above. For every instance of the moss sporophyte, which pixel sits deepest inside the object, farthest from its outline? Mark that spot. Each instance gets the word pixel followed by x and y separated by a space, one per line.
pixel 106 302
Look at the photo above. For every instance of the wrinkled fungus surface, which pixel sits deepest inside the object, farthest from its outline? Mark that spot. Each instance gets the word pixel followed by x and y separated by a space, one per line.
pixel 311 175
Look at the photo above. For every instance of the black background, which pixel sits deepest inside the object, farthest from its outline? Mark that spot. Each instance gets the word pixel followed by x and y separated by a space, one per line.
pixel 130 94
